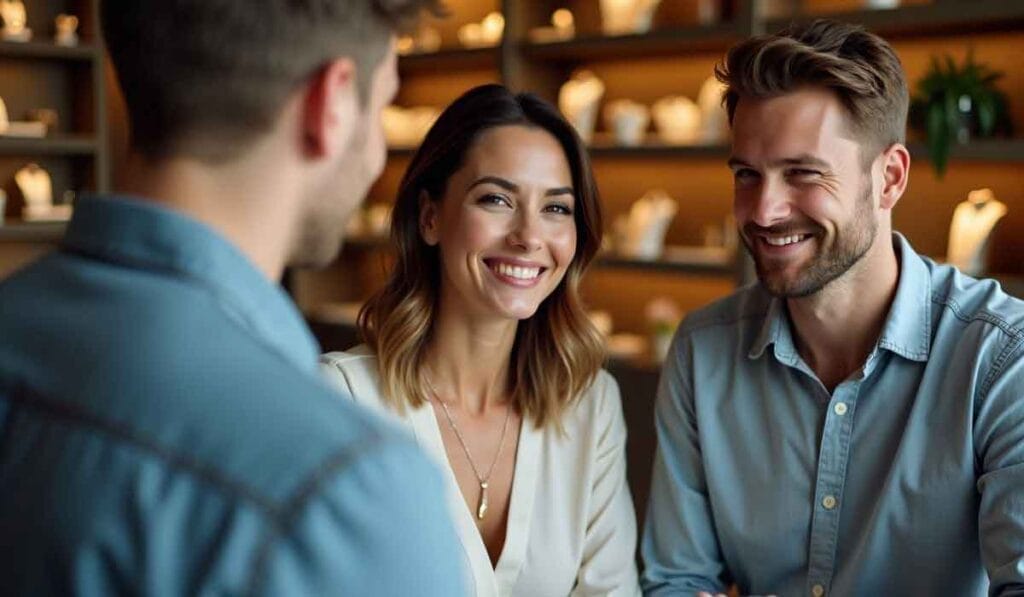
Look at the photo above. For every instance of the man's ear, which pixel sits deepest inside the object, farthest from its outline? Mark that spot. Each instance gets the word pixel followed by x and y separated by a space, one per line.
pixel 331 109
pixel 895 175
pixel 428 219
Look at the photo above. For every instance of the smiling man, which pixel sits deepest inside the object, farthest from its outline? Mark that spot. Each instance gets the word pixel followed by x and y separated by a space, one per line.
pixel 854 423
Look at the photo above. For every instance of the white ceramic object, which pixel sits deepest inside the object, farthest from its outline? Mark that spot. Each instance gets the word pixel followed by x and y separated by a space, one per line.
pixel 641 235
pixel 66 27
pixel 678 120
pixel 881 4
pixel 628 121
pixel 623 17
pixel 13 14
pixel 578 99
pixel 714 121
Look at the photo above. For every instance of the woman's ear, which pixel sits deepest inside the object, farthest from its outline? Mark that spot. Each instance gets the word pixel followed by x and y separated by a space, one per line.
pixel 428 219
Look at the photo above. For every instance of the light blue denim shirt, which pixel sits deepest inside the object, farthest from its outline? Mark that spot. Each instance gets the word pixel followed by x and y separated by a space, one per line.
pixel 163 431
pixel 908 479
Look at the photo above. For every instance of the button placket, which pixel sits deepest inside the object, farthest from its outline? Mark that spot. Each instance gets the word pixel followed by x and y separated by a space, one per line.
pixel 831 476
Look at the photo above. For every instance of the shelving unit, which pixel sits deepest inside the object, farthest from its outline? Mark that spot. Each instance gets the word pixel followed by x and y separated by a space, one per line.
pixel 71 81
pixel 675 58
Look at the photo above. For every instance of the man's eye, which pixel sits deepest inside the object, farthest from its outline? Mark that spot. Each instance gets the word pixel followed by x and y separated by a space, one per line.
pixel 803 172
pixel 744 174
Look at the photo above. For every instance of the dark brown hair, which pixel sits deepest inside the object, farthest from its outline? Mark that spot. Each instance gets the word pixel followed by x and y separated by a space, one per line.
pixel 860 67
pixel 557 352
pixel 205 77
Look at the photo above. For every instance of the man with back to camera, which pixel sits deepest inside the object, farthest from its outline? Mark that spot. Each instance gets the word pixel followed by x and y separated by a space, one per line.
pixel 853 425
pixel 163 429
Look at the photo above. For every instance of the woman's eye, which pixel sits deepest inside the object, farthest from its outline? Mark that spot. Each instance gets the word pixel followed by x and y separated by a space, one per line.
pixel 559 208
pixel 494 199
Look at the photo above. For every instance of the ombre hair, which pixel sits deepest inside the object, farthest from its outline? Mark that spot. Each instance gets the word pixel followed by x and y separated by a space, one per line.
pixel 557 352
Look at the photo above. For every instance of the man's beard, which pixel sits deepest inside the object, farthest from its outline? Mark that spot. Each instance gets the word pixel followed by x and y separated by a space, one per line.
pixel 321 233
pixel 829 263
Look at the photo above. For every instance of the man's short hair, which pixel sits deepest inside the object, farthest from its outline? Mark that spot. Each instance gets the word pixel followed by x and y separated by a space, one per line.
pixel 860 67
pixel 204 78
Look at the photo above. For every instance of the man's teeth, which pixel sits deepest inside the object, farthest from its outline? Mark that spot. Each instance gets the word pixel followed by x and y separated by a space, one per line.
pixel 520 273
pixel 781 241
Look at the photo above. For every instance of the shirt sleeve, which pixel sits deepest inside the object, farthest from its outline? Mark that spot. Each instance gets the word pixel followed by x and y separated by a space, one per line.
pixel 680 550
pixel 379 526
pixel 999 440
pixel 609 552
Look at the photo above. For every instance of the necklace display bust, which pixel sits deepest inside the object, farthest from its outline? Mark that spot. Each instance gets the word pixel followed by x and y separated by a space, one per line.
pixel 971 229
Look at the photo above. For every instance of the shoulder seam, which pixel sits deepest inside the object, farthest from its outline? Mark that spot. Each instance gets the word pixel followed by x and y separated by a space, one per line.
pixel 300 498
pixel 34 400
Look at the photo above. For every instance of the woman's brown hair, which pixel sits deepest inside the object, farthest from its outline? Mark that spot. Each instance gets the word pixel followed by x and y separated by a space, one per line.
pixel 557 352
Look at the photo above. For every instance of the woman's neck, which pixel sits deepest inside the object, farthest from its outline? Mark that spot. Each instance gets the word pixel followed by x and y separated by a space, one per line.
pixel 467 362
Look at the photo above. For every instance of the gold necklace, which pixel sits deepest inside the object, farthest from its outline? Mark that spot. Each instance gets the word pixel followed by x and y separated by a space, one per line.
pixel 482 505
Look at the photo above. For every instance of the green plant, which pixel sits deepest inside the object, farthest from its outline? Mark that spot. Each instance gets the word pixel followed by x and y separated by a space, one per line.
pixel 954 102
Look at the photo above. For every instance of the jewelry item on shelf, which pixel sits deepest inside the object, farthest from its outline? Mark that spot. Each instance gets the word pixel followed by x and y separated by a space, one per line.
pixel 66 27
pixel 406 127
pixel 971 230
pixel 714 121
pixel 425 40
pixel 641 234
pixel 578 100
pixel 46 116
pixel 563 27
pixel 678 120
pixel 36 189
pixel 10 128
pixel 628 121
pixel 623 17
pixel 483 480
pixel 486 33
pixel 13 14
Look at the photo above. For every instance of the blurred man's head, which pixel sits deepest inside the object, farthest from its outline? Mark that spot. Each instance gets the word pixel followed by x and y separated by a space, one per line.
pixel 209 80
pixel 819 117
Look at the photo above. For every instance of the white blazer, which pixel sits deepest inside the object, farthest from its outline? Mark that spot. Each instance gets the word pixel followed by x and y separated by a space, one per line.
pixel 571 524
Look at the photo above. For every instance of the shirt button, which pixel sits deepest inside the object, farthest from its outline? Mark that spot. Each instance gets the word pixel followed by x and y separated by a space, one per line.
pixel 829 502
pixel 817 590
pixel 840 408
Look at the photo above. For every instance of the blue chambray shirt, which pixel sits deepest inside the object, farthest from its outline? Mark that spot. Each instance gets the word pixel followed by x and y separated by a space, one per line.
pixel 908 479
pixel 163 431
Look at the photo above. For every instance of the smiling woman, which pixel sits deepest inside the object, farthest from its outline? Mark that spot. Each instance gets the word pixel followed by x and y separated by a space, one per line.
pixel 480 345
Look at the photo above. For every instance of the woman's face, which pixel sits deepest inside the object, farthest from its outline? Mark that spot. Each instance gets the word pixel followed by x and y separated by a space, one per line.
pixel 505 227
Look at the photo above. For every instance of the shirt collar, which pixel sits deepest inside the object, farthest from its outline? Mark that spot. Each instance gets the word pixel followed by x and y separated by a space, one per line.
pixel 907 329
pixel 142 235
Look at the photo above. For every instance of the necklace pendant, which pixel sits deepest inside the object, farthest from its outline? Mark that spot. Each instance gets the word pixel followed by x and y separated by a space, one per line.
pixel 481 509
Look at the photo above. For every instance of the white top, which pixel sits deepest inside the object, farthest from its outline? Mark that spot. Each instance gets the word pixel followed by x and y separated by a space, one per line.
pixel 571 525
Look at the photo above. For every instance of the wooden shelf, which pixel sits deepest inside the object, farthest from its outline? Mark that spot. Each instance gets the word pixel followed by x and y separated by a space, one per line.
pixel 68 145
pixel 32 232
pixel 927 20
pixel 681 260
pixel 47 50
pixel 978 150
pixel 661 42
pixel 603 145
pixel 449 59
